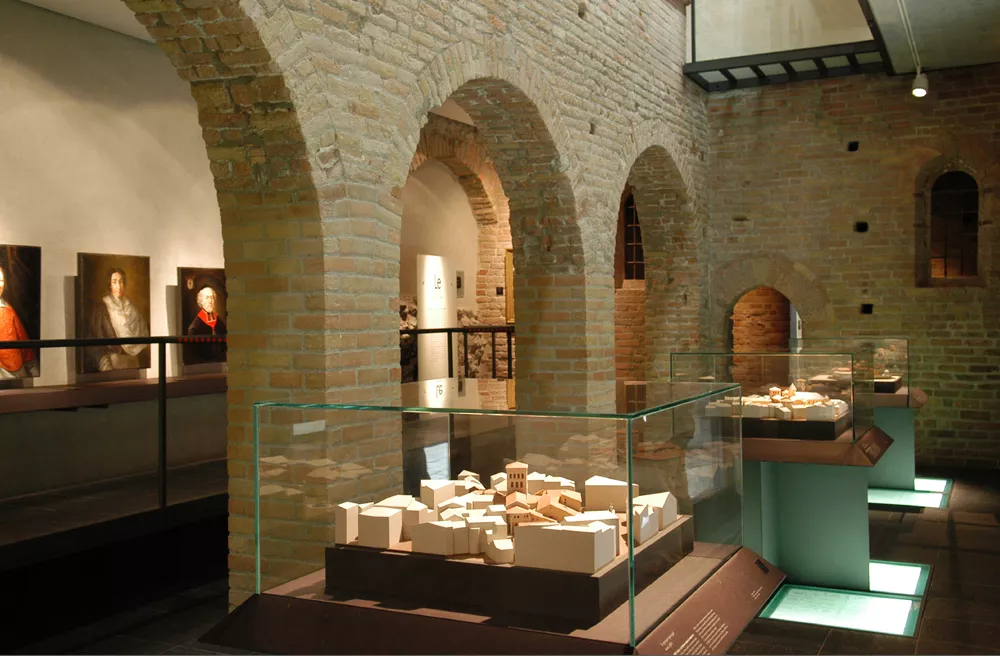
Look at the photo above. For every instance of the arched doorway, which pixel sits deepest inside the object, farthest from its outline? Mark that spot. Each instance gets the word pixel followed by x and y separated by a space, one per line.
pixel 763 320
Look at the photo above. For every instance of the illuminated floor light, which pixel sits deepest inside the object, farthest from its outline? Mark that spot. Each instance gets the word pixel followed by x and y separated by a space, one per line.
pixel 931 484
pixel 906 498
pixel 860 611
pixel 898 578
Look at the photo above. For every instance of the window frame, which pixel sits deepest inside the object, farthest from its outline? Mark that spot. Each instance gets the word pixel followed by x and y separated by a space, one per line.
pixel 924 230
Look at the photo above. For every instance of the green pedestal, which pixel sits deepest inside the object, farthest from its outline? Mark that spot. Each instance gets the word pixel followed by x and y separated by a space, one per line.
pixel 811 521
pixel 897 468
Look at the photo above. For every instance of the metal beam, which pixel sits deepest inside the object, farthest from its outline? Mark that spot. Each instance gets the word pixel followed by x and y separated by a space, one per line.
pixel 789 71
pixel 866 9
pixel 853 60
pixel 800 76
pixel 759 73
pixel 729 77
pixel 820 65
pixel 822 52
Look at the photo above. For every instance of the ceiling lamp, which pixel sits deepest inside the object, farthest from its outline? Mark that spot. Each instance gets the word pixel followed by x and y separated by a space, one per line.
pixel 919 88
pixel 920 84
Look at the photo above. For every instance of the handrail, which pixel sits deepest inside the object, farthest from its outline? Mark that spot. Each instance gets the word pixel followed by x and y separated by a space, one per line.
pixel 465 331
pixel 161 392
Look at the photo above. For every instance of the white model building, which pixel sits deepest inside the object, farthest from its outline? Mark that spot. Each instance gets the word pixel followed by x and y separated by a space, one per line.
pixel 517 477
pixel 663 504
pixel 570 548
pixel 465 473
pixel 645 524
pixel 434 538
pixel 500 550
pixel 601 493
pixel 345 517
pixel 413 514
pixel 434 492
pixel 380 527
pixel 536 483
pixel 551 527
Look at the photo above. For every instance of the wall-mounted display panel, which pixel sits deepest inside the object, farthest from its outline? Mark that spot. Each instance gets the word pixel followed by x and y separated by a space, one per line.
pixel 112 301
pixel 202 313
pixel 20 309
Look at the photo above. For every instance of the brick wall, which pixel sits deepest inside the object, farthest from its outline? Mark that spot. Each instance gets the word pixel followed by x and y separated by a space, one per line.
pixel 312 112
pixel 780 160
pixel 630 330
pixel 761 323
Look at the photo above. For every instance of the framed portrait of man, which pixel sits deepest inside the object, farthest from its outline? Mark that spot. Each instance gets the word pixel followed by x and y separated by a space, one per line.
pixel 112 302
pixel 20 309
pixel 202 313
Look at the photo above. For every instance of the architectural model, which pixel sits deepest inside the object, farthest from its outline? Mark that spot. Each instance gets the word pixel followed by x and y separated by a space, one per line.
pixel 537 520
pixel 787 404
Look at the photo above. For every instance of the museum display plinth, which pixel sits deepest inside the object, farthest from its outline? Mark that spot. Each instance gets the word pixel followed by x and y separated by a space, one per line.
pixel 729 586
pixel 896 414
pixel 431 579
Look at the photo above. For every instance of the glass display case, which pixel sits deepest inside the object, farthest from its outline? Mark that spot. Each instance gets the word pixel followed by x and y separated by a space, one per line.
pixel 591 525
pixel 818 396
pixel 891 359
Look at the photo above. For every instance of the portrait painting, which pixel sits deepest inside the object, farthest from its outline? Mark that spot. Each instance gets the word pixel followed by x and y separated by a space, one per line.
pixel 20 309
pixel 112 302
pixel 203 313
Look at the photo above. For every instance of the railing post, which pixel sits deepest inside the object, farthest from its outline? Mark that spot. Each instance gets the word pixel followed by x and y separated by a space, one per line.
pixel 510 357
pixel 493 338
pixel 451 356
pixel 465 337
pixel 161 443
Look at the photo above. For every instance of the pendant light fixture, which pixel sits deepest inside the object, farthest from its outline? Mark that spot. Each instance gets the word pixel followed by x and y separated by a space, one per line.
pixel 920 83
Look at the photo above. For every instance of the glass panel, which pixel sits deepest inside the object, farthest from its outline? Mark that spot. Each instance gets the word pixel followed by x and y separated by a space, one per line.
pixel 890 356
pixel 357 502
pixel 809 396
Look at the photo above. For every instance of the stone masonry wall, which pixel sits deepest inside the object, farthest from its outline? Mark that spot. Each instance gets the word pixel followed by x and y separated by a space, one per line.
pixel 786 193
pixel 312 111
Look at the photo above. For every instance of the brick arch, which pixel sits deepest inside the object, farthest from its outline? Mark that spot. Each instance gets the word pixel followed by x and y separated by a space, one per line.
pixel 665 199
pixel 795 281
pixel 460 147
pixel 271 226
pixel 513 108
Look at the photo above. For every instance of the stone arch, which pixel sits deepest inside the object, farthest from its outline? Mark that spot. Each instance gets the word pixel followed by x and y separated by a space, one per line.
pixel 272 229
pixel 665 200
pixel 795 281
pixel 514 109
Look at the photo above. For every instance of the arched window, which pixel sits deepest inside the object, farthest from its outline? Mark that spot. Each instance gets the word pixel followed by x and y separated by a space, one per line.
pixel 954 227
pixel 635 267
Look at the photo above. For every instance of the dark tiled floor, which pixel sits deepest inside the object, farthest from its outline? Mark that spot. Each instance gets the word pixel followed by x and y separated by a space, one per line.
pixel 169 626
pixel 30 517
pixel 961 613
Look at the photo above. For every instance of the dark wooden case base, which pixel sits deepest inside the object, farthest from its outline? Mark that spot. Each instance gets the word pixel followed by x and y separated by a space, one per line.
pixel 888 385
pixel 783 429
pixel 436 580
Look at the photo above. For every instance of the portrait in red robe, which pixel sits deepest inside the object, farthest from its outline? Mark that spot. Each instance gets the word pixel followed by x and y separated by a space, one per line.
pixel 11 329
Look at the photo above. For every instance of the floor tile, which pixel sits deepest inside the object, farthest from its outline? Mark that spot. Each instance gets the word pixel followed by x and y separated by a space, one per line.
pixel 963 632
pixel 961 610
pixel 841 641
pixel 934 647
pixel 801 638
pixel 125 645
pixel 957 589
pixel 760 649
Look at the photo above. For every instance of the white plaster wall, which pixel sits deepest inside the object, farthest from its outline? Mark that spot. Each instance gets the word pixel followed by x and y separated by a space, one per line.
pixel 100 151
pixel 735 28
pixel 437 220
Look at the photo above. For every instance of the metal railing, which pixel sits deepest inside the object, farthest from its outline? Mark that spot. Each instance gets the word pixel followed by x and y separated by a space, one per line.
pixel 161 394
pixel 465 331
